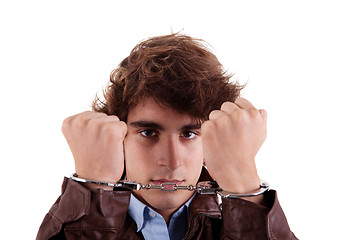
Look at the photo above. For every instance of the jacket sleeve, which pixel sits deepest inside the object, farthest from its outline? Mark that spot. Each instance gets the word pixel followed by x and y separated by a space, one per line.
pixel 79 211
pixel 241 218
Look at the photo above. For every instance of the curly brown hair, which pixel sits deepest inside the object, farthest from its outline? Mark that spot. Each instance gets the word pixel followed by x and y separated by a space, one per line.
pixel 175 70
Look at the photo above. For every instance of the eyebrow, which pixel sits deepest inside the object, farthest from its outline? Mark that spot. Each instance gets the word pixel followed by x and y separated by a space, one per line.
pixel 191 126
pixel 148 124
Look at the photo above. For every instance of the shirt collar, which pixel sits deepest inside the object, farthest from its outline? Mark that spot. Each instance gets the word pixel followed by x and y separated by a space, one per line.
pixel 137 210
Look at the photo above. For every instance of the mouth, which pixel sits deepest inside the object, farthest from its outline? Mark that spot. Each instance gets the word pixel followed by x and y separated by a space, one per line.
pixel 168 183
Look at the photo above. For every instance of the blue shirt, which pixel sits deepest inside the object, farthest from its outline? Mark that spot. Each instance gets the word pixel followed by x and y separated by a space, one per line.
pixel 153 226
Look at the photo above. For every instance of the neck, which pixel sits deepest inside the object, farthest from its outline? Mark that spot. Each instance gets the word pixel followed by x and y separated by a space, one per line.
pixel 166 214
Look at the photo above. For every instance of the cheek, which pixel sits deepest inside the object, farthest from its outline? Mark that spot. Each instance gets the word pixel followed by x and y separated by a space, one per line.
pixel 138 151
pixel 135 158
pixel 195 156
pixel 196 151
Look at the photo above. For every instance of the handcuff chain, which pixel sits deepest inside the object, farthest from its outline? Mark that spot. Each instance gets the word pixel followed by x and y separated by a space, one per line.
pixel 207 187
pixel 202 187
pixel 139 186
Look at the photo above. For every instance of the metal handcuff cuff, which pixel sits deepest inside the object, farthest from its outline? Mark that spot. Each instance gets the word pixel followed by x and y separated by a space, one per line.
pixel 207 187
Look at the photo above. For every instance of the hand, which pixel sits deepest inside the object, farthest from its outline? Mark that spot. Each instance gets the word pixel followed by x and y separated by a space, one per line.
pixel 96 142
pixel 231 138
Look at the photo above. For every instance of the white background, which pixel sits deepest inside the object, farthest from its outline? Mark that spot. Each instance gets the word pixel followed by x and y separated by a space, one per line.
pixel 301 60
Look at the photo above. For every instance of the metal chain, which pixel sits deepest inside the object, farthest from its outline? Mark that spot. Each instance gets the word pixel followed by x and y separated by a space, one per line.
pixel 135 185
pixel 202 187
pixel 207 187
pixel 163 186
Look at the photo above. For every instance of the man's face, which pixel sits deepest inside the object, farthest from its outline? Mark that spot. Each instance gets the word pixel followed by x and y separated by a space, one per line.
pixel 162 145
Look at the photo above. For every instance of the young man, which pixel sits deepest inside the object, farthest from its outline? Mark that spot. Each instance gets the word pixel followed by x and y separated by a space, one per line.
pixel 168 112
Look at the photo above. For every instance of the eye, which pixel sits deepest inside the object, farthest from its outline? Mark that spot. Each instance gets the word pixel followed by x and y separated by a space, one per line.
pixel 189 134
pixel 148 133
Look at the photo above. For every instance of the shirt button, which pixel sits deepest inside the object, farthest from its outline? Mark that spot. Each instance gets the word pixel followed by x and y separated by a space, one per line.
pixel 139 226
pixel 152 214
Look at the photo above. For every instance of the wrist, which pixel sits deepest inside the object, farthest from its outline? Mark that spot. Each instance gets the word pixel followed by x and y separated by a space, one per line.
pixel 240 182
pixel 101 176
pixel 243 187
pixel 254 196
pixel 262 187
pixel 92 183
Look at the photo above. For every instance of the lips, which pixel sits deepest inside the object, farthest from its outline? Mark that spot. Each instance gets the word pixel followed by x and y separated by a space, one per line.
pixel 161 181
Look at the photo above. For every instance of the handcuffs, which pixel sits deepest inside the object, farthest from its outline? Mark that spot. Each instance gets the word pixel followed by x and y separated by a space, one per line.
pixel 206 187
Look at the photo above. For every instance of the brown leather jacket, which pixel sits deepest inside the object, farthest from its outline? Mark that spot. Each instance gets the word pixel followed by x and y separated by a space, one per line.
pixel 83 214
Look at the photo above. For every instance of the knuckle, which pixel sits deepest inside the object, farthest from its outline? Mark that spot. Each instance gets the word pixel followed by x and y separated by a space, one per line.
pixel 66 123
pixel 238 100
pixel 113 117
pixel 238 114
pixel 224 104
pixel 93 122
pixel 100 113
pixel 107 127
pixel 112 131
pixel 81 119
pixel 107 131
pixel 212 114
pixel 254 112
pixel 93 125
pixel 119 128
pixel 207 127
pixel 263 113
pixel 123 126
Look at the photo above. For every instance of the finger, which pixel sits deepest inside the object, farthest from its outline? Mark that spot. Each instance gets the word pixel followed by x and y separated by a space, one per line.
pixel 228 107
pixel 123 126
pixel 97 115
pixel 83 117
pixel 244 104
pixel 263 114
pixel 215 114
pixel 90 117
pixel 114 128
pixel 110 118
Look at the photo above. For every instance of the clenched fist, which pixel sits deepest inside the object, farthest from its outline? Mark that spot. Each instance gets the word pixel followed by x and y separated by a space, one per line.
pixel 96 142
pixel 231 138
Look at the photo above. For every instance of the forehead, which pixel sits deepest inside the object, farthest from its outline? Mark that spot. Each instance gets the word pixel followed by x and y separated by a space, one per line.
pixel 149 110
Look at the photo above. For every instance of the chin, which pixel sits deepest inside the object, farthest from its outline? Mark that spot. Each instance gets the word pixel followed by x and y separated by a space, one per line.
pixel 160 200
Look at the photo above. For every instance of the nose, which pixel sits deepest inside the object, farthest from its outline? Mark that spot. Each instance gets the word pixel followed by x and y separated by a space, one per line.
pixel 170 153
